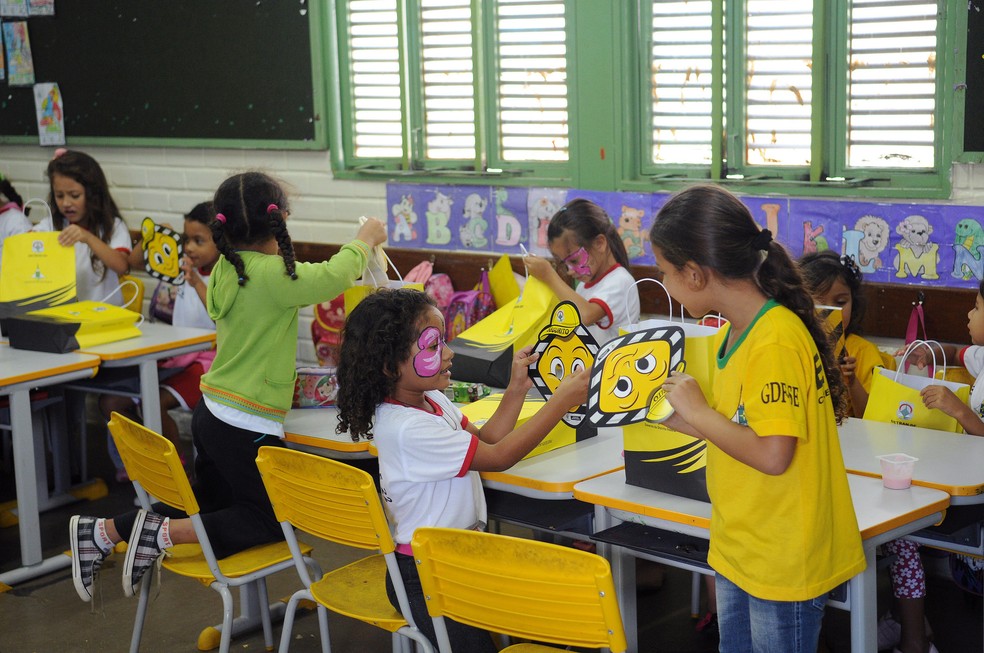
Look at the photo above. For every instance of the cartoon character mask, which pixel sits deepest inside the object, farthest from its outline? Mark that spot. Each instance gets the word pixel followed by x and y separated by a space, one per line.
pixel 565 347
pixel 162 252
pixel 628 374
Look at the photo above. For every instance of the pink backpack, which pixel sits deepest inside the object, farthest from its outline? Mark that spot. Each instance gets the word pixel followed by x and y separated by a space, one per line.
pixel 438 286
pixel 467 307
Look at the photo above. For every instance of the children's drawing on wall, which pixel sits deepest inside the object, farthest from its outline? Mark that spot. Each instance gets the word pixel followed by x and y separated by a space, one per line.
pixel 474 226
pixel 968 244
pixel 51 114
pixel 541 204
pixel 510 204
pixel 916 255
pixel 770 213
pixel 42 7
pixel 20 64
pixel 631 231
pixel 404 220
pixel 13 8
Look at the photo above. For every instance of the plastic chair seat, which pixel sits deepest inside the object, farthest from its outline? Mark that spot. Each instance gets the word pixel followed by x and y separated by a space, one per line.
pixel 345 591
pixel 189 560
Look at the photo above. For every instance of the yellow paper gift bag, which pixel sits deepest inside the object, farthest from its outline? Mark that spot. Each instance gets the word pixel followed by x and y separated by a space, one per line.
pixel 68 327
pixel 374 278
pixel 894 397
pixel 36 272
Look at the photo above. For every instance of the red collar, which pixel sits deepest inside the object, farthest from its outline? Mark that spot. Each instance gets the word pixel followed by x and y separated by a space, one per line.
pixel 607 272
pixel 431 402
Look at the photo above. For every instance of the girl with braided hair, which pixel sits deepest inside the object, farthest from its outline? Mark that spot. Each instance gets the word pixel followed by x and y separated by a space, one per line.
pixel 254 294
pixel 783 529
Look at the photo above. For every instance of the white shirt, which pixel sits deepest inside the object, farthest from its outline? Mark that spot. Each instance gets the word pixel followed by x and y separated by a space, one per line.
pixel 12 222
pixel 973 359
pixel 189 309
pixel 423 468
pixel 617 294
pixel 88 284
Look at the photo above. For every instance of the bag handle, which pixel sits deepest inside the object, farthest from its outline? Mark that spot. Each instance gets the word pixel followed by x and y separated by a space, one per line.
pixel 119 289
pixel 915 344
pixel 917 318
pixel 42 203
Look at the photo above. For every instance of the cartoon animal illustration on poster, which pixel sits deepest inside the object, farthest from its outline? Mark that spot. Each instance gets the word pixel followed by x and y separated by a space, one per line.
pixel 404 219
pixel 968 244
pixel 626 383
pixel 162 252
pixel 474 226
pixel 541 205
pixel 866 242
pixel 631 231
pixel 565 346
pixel 438 216
pixel 916 255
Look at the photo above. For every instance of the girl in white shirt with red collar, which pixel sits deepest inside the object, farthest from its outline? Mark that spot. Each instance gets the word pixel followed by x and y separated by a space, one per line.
pixel 583 238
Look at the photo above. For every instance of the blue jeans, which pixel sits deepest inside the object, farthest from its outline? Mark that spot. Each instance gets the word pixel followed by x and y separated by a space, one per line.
pixel 751 625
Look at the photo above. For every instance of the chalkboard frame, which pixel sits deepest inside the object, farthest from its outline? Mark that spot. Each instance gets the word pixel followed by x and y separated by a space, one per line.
pixel 319 141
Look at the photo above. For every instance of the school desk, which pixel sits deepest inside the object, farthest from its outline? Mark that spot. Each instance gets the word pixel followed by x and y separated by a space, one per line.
pixel 313 430
pixel 156 342
pixel 20 372
pixel 883 515
pixel 950 462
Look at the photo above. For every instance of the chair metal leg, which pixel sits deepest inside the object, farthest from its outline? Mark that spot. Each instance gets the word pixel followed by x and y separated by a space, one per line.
pixel 323 626
pixel 288 626
pixel 138 622
pixel 227 613
pixel 261 590
pixel 695 579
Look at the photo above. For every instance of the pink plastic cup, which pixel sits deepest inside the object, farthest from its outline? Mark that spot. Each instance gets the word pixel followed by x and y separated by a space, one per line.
pixel 897 470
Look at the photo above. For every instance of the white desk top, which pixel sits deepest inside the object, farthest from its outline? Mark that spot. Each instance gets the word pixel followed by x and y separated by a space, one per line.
pixel 553 474
pixel 879 510
pixel 947 461
pixel 155 338
pixel 21 366
pixel 314 430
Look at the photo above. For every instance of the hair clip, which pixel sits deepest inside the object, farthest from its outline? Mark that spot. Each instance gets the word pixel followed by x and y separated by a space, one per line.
pixel 271 208
pixel 60 151
pixel 848 262
pixel 220 218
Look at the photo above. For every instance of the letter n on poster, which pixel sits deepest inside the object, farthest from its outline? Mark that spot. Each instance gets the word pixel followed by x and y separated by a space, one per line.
pixel 51 114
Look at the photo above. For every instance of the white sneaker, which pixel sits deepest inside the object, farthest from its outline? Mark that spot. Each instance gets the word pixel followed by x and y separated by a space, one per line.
pixel 889 632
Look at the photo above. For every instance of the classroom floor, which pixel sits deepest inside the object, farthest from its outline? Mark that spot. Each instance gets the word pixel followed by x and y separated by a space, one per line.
pixel 45 614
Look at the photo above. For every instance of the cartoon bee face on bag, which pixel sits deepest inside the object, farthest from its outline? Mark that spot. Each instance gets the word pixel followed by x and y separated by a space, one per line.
pixel 162 252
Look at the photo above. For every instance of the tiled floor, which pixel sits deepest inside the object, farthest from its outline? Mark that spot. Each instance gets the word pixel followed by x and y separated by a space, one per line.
pixel 46 615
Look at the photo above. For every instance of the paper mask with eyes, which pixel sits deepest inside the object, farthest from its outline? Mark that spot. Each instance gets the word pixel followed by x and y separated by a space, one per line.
pixel 162 252
pixel 565 347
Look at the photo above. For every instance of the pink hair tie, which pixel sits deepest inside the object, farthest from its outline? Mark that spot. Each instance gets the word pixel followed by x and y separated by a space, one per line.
pixel 221 218
pixel 272 208
pixel 60 151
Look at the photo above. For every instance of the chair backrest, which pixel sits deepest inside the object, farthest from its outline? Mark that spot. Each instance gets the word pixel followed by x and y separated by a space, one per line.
pixel 152 461
pixel 132 292
pixel 523 588
pixel 325 498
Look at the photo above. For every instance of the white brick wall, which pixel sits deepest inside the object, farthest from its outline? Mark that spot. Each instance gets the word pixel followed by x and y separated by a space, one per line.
pixel 164 183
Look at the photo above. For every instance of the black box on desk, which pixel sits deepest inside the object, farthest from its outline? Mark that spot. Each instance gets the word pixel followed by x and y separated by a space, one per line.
pixel 659 458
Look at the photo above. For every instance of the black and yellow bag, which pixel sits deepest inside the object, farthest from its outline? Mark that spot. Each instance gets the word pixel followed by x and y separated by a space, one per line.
pixel 68 327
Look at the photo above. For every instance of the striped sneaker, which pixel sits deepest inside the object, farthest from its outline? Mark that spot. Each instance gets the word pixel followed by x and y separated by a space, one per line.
pixel 142 550
pixel 87 557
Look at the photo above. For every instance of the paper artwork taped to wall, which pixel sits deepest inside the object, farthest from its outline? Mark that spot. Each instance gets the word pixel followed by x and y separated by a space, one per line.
pixel 17 45
pixel 51 114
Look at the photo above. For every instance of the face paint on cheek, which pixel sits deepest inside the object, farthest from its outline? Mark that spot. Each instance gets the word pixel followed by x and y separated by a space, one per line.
pixel 427 362
pixel 577 262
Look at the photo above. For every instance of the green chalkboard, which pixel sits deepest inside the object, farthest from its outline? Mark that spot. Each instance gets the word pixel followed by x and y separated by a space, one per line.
pixel 193 72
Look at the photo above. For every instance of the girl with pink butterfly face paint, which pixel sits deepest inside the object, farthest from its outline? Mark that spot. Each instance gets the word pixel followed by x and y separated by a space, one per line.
pixel 392 372
pixel 591 253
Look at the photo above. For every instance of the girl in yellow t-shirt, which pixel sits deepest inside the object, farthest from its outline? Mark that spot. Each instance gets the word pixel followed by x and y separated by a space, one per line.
pixel 783 529
pixel 835 280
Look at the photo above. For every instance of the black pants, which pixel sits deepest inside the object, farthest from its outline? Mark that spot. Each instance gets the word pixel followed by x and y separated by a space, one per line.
pixel 235 509
pixel 463 638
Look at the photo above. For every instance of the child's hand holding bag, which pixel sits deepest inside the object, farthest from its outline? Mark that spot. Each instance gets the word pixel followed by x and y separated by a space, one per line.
pixel 897 398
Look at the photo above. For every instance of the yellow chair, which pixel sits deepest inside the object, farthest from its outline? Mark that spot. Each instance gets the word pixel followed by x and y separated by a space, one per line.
pixel 339 503
pixel 132 290
pixel 155 469
pixel 522 588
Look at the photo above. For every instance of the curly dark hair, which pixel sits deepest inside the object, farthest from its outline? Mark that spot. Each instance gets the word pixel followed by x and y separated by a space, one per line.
pixel 821 269
pixel 242 201
pixel 377 339
pixel 710 226
pixel 8 191
pixel 100 208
